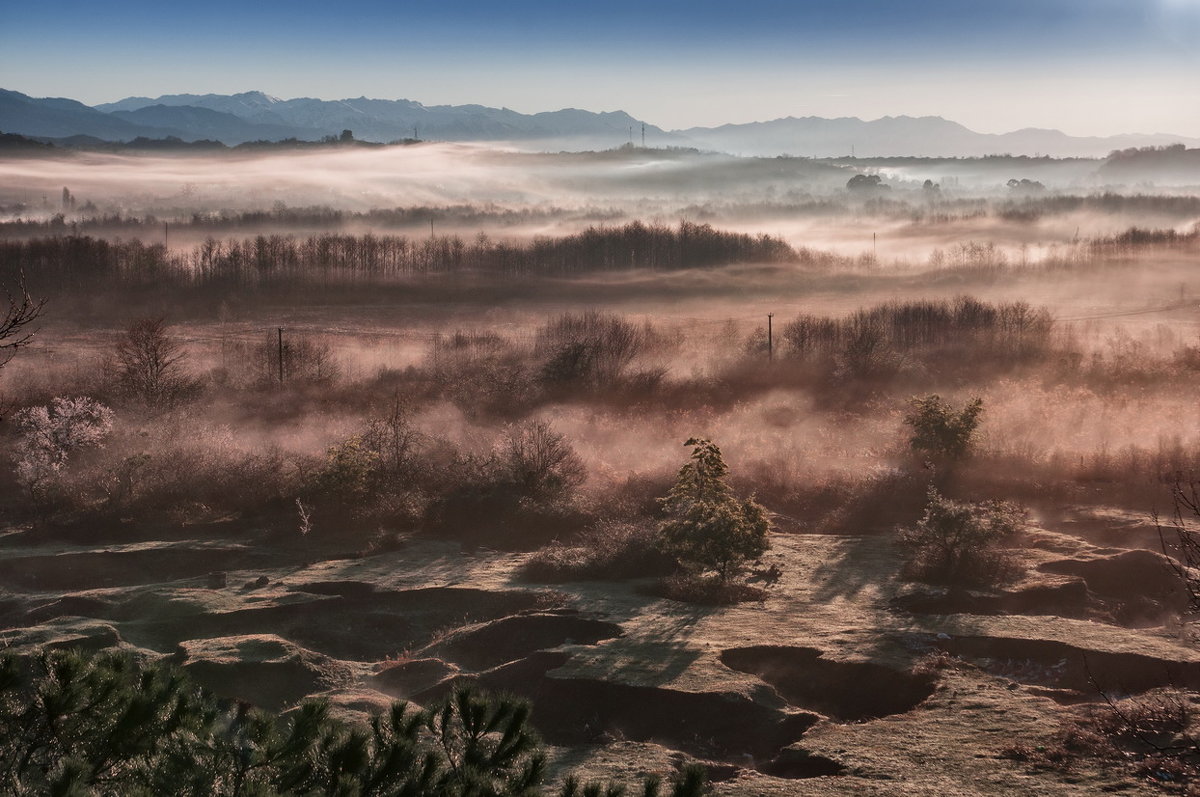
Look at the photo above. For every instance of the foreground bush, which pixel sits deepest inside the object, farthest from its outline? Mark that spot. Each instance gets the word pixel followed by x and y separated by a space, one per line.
pixel 74 725
pixel 1152 735
pixel 958 543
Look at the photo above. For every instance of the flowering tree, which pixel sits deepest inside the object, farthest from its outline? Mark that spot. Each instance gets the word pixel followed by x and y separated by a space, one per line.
pixel 50 435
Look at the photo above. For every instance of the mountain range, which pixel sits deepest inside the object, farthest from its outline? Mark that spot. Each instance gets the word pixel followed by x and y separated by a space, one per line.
pixel 254 116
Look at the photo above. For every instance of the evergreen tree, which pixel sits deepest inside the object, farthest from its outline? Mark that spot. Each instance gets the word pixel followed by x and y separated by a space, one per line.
pixel 707 525
pixel 77 725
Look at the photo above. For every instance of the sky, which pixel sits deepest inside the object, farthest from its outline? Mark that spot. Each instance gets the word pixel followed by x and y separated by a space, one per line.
pixel 1088 67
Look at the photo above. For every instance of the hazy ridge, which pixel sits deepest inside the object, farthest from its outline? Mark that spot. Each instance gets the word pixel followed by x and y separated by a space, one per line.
pixel 254 115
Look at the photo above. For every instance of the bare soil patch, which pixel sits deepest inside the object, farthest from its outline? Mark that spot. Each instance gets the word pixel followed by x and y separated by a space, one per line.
pixel 1084 674
pixel 708 725
pixel 843 691
pixel 511 638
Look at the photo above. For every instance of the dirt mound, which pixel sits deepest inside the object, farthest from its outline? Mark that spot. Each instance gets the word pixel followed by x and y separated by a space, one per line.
pixel 342 589
pixel 91 639
pixel 843 691
pixel 512 638
pixel 97 569
pixel 11 612
pixel 410 677
pixel 795 763
pixel 1137 587
pixel 571 711
pixel 368 626
pixel 372 626
pixel 1107 526
pixel 1085 673
pixel 264 670
pixel 69 606
pixel 1067 599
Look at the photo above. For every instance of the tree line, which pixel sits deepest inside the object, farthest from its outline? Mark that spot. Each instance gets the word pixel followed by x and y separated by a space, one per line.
pixel 78 263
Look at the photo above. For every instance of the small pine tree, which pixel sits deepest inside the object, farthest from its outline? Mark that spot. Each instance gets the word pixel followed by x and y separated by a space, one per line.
pixel 707 525
pixel 73 724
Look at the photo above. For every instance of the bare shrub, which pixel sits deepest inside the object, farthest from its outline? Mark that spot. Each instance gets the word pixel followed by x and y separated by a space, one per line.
pixel 523 490
pixel 181 469
pixel 539 462
pixel 481 372
pixel 590 348
pixel 1181 544
pixel 394 439
pixel 880 341
pixel 866 352
pixel 958 543
pixel 608 550
pixel 707 590
pixel 1151 735
pixel 306 360
pixel 876 503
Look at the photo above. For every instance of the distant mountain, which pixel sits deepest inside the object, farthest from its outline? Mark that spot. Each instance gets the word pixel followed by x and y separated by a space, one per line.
pixel 925 136
pixel 389 120
pixel 253 116
pixel 190 122
pixel 246 106
pixel 55 117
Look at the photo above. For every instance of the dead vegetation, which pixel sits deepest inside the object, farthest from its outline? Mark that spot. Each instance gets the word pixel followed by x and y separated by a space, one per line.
pixel 908 459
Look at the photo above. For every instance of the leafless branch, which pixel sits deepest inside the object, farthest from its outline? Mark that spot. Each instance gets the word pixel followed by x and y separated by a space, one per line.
pixel 16 330
pixel 1180 541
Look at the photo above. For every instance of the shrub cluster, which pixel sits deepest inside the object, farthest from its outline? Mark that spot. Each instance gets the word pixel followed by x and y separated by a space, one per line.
pixel 879 341
pixel 959 543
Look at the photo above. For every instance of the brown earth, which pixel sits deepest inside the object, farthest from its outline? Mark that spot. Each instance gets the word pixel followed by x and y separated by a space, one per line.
pixel 823 688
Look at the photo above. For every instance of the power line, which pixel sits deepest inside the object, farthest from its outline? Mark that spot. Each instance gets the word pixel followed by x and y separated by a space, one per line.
pixel 1165 309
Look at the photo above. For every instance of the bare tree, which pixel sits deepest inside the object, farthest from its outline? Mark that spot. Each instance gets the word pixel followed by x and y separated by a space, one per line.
pixel 149 362
pixel 16 330
pixel 1181 544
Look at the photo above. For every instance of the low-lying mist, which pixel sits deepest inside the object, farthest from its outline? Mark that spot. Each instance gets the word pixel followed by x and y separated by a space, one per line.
pixel 1024 206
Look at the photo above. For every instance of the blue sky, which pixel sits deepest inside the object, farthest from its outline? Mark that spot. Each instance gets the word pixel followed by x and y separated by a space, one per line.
pixel 1085 66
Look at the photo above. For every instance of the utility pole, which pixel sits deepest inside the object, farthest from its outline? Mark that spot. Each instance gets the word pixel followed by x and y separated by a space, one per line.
pixel 643 135
pixel 280 355
pixel 770 339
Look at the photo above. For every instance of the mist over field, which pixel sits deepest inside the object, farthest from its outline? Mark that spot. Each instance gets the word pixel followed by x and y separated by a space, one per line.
pixel 447 384
pixel 576 401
